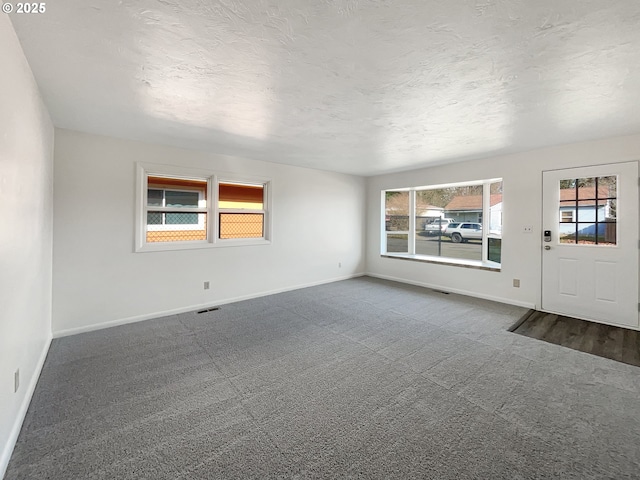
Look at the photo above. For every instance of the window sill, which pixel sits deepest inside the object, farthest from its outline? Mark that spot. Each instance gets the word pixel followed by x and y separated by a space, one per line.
pixel 453 262
pixel 168 246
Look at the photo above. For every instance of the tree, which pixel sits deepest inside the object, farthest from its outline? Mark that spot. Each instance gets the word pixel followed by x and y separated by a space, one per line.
pixel 397 203
pixel 440 197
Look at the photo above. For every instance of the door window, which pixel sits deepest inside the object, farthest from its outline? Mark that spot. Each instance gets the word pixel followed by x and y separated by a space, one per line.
pixel 587 211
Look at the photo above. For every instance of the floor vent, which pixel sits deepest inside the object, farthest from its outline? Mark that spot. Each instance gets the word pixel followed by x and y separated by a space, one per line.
pixel 212 309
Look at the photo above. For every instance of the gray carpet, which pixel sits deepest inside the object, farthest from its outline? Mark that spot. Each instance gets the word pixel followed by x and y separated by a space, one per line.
pixel 356 379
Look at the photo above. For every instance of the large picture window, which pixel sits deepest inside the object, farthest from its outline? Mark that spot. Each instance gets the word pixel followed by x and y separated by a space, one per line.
pixel 181 208
pixel 457 222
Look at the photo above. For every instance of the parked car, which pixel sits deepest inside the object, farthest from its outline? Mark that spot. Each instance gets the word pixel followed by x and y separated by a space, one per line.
pixel 437 225
pixel 451 226
pixel 464 231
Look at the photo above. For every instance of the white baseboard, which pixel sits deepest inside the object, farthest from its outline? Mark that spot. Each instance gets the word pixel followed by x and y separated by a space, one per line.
pixel 191 308
pixel 508 301
pixel 7 449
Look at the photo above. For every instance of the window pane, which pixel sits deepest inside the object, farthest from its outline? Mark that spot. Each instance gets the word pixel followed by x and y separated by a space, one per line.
pixel 587 233
pixel 607 187
pixel 178 231
pixel 586 213
pixel 241 196
pixel 397 243
pixel 154 218
pixel 181 218
pixel 495 249
pixel 495 209
pixel 181 199
pixel 607 210
pixel 396 211
pixel 181 184
pixel 567 214
pixel 154 198
pixel 241 225
pixel 586 188
pixel 567 190
pixel 567 233
pixel 461 208
pixel 607 234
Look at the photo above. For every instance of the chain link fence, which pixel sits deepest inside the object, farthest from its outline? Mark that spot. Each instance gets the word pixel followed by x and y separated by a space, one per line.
pixel 241 225
pixel 176 226
pixel 184 227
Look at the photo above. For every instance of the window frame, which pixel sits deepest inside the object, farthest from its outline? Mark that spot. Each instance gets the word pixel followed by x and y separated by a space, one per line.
pixel 411 221
pixel 234 179
pixel 484 263
pixel 211 209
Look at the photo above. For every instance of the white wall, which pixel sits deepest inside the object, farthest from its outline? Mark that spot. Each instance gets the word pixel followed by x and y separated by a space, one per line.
pixel 521 252
pixel 318 221
pixel 26 175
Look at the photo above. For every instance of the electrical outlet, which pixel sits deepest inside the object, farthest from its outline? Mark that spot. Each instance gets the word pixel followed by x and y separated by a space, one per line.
pixel 16 381
pixel 527 229
pixel 516 282
pixel 339 264
pixel 206 285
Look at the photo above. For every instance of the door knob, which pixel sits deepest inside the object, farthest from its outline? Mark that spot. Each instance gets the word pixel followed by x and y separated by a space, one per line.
pixel 547 247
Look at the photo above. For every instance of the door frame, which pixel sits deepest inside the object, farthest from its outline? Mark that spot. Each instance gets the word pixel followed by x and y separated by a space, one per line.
pixel 636 240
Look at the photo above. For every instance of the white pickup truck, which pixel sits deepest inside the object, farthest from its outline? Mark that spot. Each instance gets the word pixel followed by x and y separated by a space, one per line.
pixel 435 226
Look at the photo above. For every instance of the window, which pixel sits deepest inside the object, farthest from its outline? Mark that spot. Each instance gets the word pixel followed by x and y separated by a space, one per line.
pixel 397 221
pixel 183 208
pixel 566 216
pixel 461 222
pixel 241 210
pixel 588 211
pixel 176 209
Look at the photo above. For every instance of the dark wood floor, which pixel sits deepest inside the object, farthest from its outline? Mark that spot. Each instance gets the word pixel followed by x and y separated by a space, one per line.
pixel 606 341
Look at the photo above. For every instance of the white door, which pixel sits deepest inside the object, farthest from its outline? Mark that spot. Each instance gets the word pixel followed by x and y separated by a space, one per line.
pixel 590 261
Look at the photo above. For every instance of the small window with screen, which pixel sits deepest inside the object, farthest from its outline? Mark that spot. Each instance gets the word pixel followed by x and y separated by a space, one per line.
pixel 176 209
pixel 241 210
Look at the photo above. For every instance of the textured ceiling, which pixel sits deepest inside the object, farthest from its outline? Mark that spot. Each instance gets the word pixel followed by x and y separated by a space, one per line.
pixel 354 86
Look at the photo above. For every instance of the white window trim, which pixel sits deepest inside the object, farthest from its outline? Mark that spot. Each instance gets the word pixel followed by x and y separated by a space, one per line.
pixel 144 170
pixel 484 264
